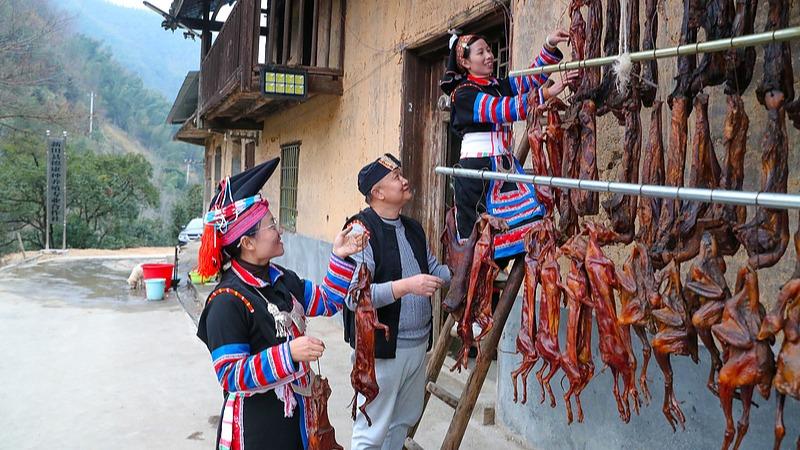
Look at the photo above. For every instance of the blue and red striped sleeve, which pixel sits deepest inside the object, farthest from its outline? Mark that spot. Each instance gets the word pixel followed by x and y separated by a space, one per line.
pixel 239 371
pixel 523 84
pixel 228 327
pixel 327 299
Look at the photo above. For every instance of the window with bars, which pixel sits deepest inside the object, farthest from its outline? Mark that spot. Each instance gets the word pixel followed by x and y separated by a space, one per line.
pixel 290 157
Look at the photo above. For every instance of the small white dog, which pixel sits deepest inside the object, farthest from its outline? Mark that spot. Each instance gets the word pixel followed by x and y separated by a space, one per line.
pixel 136 280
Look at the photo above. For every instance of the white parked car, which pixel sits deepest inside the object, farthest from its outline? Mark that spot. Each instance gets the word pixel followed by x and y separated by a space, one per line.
pixel 191 232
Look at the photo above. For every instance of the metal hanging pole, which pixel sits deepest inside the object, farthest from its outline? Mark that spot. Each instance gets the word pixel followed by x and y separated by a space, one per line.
pixel 670 52
pixel 763 199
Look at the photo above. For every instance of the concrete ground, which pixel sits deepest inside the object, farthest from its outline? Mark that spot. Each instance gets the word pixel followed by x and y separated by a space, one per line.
pixel 86 365
pixel 90 365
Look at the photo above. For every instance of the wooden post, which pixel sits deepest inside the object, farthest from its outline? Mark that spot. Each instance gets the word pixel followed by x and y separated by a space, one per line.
pixel 205 37
pixel 21 245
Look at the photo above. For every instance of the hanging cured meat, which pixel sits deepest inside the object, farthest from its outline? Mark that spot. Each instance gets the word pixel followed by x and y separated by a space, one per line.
pixel 681 103
pixel 554 141
pixel 675 336
pixel 723 217
pixel 321 435
pixel 717 21
pixel 458 256
pixel 704 173
pixel 653 174
pixel 577 359
pixel 705 281
pixel 785 316
pixel 621 209
pixel 547 345
pixel 649 85
pixel 741 61
pixel 615 350
pixel 478 303
pixel 766 236
pixel 362 376
pixel 526 337
pixel 749 362
pixel 635 308
pixel 586 202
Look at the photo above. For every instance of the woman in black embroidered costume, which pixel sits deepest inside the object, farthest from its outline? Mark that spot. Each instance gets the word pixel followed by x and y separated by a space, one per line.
pixel 254 322
pixel 483 109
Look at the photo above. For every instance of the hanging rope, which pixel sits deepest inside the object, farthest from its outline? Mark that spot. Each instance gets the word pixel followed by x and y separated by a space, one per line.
pixel 622 66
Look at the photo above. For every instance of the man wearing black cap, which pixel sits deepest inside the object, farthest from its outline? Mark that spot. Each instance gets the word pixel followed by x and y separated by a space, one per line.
pixel 405 275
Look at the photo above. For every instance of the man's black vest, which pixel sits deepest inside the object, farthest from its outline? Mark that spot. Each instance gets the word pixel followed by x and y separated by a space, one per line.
pixel 386 254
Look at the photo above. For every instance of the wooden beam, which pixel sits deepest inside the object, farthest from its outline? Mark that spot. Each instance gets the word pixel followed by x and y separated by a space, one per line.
pixel 205 38
pixel 269 50
pixel 287 24
pixel 314 32
pixel 325 85
pixel 297 45
pixel 222 125
pixel 337 34
pixel 442 394
pixel 324 33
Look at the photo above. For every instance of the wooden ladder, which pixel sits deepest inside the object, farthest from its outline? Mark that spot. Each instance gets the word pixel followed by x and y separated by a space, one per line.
pixel 465 404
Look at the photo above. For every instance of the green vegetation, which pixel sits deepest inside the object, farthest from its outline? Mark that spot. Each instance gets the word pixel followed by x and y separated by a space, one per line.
pixel 123 179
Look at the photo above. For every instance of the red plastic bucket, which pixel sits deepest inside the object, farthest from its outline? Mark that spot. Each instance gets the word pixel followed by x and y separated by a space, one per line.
pixel 159 270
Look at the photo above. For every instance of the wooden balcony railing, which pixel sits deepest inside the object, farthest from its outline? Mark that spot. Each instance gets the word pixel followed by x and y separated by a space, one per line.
pixel 297 33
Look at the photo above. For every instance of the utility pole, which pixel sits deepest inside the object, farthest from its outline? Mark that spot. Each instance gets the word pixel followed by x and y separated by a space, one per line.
pixel 91 112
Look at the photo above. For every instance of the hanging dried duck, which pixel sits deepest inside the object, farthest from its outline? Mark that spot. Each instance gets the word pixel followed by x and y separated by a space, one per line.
pixel 785 316
pixel 652 173
pixel 675 336
pixel 362 377
pixel 321 435
pixel 577 359
pixel 766 236
pixel 615 350
pixel 749 362
pixel 478 303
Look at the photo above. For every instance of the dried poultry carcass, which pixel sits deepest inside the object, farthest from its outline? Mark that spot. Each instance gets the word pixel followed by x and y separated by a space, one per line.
pixel 570 164
pixel 717 21
pixel 615 350
pixel 547 346
pixel 621 209
pixel 649 84
pixel 722 218
pixel 704 173
pixel 321 435
pixel 748 361
pixel 577 359
pixel 526 337
pixel 458 256
pixel 652 173
pixel 636 305
pixel 741 61
pixel 785 316
pixel 675 336
pixel 478 304
pixel 568 215
pixel 554 141
pixel 362 377
pixel 539 161
pixel 586 202
pixel 705 281
pixel 681 103
pixel 766 236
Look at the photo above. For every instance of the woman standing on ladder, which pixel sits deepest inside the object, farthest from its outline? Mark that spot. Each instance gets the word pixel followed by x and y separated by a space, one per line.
pixel 483 110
